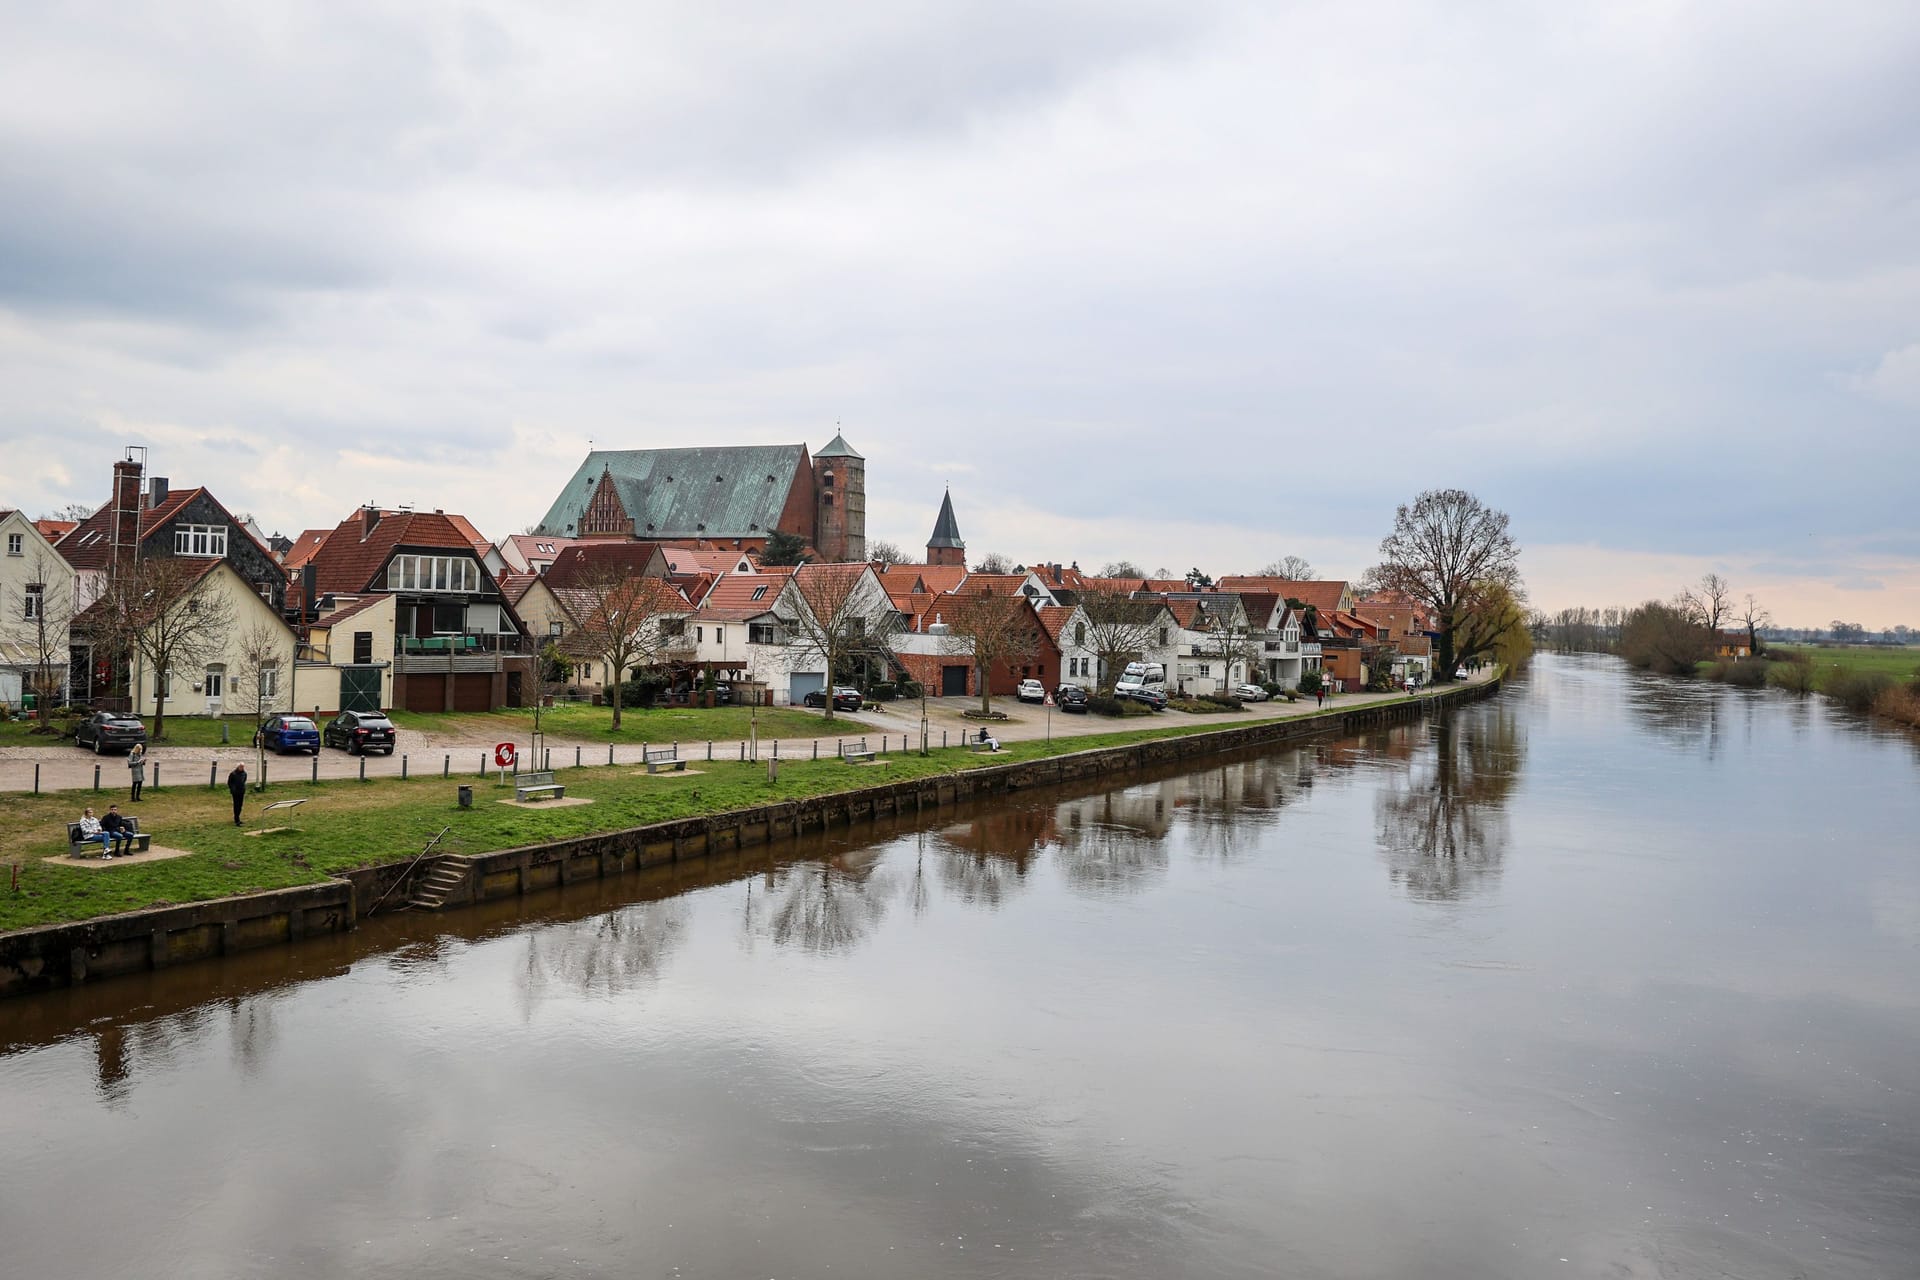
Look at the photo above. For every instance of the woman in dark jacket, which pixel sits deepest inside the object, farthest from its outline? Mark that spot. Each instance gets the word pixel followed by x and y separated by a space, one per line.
pixel 237 787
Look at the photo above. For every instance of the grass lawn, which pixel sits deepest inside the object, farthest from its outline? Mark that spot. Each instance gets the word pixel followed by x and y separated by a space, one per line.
pixel 1901 663
pixel 182 731
pixel 658 724
pixel 349 824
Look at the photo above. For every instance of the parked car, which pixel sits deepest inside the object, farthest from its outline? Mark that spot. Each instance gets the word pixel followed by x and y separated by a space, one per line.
pixel 1249 693
pixel 290 733
pixel 106 731
pixel 356 732
pixel 1155 698
pixel 844 699
pixel 1070 697
pixel 1031 691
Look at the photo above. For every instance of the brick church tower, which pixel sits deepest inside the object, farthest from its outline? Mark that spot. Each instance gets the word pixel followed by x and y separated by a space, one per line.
pixel 945 546
pixel 840 502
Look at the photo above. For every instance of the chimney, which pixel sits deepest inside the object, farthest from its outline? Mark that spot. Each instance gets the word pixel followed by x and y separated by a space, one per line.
pixel 156 491
pixel 308 613
pixel 369 517
pixel 125 527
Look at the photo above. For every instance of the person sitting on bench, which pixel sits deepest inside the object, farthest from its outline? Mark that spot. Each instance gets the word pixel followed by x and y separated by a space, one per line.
pixel 116 825
pixel 988 741
pixel 91 832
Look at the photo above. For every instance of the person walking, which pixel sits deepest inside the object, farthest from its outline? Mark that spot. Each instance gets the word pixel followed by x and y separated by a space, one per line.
pixel 237 788
pixel 137 768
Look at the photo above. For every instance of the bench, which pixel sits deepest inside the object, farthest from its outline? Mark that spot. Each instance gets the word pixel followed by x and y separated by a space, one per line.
pixel 537 786
pixel 856 752
pixel 981 745
pixel 658 758
pixel 78 848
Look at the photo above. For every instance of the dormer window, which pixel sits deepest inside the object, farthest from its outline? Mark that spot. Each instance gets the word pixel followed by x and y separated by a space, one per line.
pixel 209 540
pixel 759 593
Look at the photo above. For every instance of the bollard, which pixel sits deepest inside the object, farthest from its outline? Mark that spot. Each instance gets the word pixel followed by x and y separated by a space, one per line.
pixel 943 739
pixel 483 764
pixel 263 775
pixel 315 779
pixel 776 748
pixel 609 753
pixel 546 758
pixel 403 766
pixel 816 748
pixel 363 767
pixel 576 757
pixel 743 756
pixel 709 748
pixel 96 777
pixel 36 777
pixel 213 772
pixel 773 769
pixel 446 766
pixel 156 775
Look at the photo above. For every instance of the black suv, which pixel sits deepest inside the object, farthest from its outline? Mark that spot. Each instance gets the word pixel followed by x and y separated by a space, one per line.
pixel 1070 697
pixel 844 699
pixel 106 731
pixel 359 731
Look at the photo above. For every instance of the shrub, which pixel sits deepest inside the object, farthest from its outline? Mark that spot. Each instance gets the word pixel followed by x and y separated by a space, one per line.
pixel 1101 704
pixel 1900 702
pixel 1272 687
pixel 1222 699
pixel 1661 638
pixel 1857 690
pixel 882 692
pixel 1793 672
pixel 642 689
pixel 1743 675
pixel 1310 682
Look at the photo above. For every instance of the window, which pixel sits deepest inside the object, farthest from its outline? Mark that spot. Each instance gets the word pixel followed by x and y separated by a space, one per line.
pixel 555 628
pixel 1080 633
pixel 1163 635
pixel 586 671
pixel 216 682
pixel 432 573
pixel 35 600
pixel 269 681
pixel 166 685
pixel 265 589
pixel 15 541
pixel 699 635
pixel 762 633
pixel 759 593
pixel 719 635
pixel 1205 670
pixel 362 648
pixel 200 540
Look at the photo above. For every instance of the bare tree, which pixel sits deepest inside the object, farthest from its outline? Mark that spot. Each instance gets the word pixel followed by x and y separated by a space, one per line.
pixel 1711 603
pixel 1754 619
pixel 1292 568
pixel 262 678
pixel 73 511
pixel 1120 569
pixel 1229 640
pixel 36 622
pixel 1120 629
pixel 1445 548
pixel 166 611
pixel 991 630
pixel 994 562
pixel 836 616
pixel 880 551
pixel 621 619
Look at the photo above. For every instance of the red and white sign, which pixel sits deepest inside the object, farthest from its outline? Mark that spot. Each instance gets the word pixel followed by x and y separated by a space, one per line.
pixel 1049 699
pixel 503 755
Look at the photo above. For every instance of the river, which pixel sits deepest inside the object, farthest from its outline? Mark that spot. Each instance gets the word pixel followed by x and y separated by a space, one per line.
pixel 1608 976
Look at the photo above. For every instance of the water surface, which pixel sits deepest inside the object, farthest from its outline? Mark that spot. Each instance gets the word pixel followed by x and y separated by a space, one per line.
pixel 1609 976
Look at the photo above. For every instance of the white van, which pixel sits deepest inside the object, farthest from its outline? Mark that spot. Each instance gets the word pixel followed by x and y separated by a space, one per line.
pixel 1142 675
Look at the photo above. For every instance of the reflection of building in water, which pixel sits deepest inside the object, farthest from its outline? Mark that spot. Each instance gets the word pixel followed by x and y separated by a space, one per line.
pixel 607 954
pixel 1117 840
pixel 986 860
pixel 1443 825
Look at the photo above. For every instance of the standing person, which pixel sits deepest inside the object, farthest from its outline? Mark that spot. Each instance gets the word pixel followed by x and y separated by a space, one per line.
pixel 137 768
pixel 237 788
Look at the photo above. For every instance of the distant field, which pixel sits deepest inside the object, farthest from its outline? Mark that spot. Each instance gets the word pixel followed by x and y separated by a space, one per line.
pixel 1899 663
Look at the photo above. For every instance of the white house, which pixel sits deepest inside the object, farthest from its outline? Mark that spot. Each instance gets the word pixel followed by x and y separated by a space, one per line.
pixel 225 677
pixel 39 594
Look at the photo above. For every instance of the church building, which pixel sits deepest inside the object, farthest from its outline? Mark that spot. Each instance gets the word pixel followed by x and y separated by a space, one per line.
pixel 734 495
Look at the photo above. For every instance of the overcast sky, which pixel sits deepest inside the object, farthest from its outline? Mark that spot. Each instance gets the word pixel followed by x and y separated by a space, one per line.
pixel 1188 283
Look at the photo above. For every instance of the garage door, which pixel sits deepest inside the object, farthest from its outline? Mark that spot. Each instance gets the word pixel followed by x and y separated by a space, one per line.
pixel 953 682
pixel 804 683
pixel 426 693
pixel 359 688
pixel 473 692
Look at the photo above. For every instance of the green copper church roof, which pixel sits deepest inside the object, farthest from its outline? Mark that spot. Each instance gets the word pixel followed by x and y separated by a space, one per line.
pixel 839 448
pixel 731 491
pixel 946 530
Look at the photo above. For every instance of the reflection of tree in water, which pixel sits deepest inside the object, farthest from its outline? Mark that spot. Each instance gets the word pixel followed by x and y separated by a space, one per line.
pixel 607 954
pixel 1116 841
pixel 986 861
pixel 1683 714
pixel 252 1032
pixel 827 904
pixel 1443 826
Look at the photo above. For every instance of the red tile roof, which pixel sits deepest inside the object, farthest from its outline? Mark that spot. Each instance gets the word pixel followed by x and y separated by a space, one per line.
pixel 1324 595
pixel 992 584
pixel 347 610
pixel 732 598
pixel 1055 618
pixel 54 530
pixel 304 547
pixel 690 561
pixel 347 563
pixel 514 585
pixel 583 558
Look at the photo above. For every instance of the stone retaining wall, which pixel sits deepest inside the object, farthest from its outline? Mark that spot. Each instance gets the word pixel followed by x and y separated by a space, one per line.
pixel 61 955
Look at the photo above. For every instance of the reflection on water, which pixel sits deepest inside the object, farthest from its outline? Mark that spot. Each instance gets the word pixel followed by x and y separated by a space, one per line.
pixel 1622 1005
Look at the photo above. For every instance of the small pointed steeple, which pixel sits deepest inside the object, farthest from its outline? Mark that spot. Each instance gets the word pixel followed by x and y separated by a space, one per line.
pixel 946 529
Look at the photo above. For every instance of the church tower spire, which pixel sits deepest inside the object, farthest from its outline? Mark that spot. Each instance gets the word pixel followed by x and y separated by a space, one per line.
pixel 946 546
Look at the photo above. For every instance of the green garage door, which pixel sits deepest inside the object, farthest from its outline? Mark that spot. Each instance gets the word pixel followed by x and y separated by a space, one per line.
pixel 359 688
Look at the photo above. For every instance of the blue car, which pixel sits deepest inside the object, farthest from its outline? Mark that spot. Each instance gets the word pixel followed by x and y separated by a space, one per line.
pixel 290 733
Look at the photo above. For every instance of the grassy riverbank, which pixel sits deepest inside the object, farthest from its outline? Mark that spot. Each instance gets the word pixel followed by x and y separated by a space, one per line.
pixel 575 721
pixel 347 824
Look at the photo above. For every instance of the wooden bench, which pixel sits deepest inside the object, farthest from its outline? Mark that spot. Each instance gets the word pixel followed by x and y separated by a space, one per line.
pixel 78 848
pixel 856 752
pixel 537 786
pixel 658 758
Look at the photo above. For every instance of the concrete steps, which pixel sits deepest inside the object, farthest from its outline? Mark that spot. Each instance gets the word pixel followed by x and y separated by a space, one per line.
pixel 431 891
